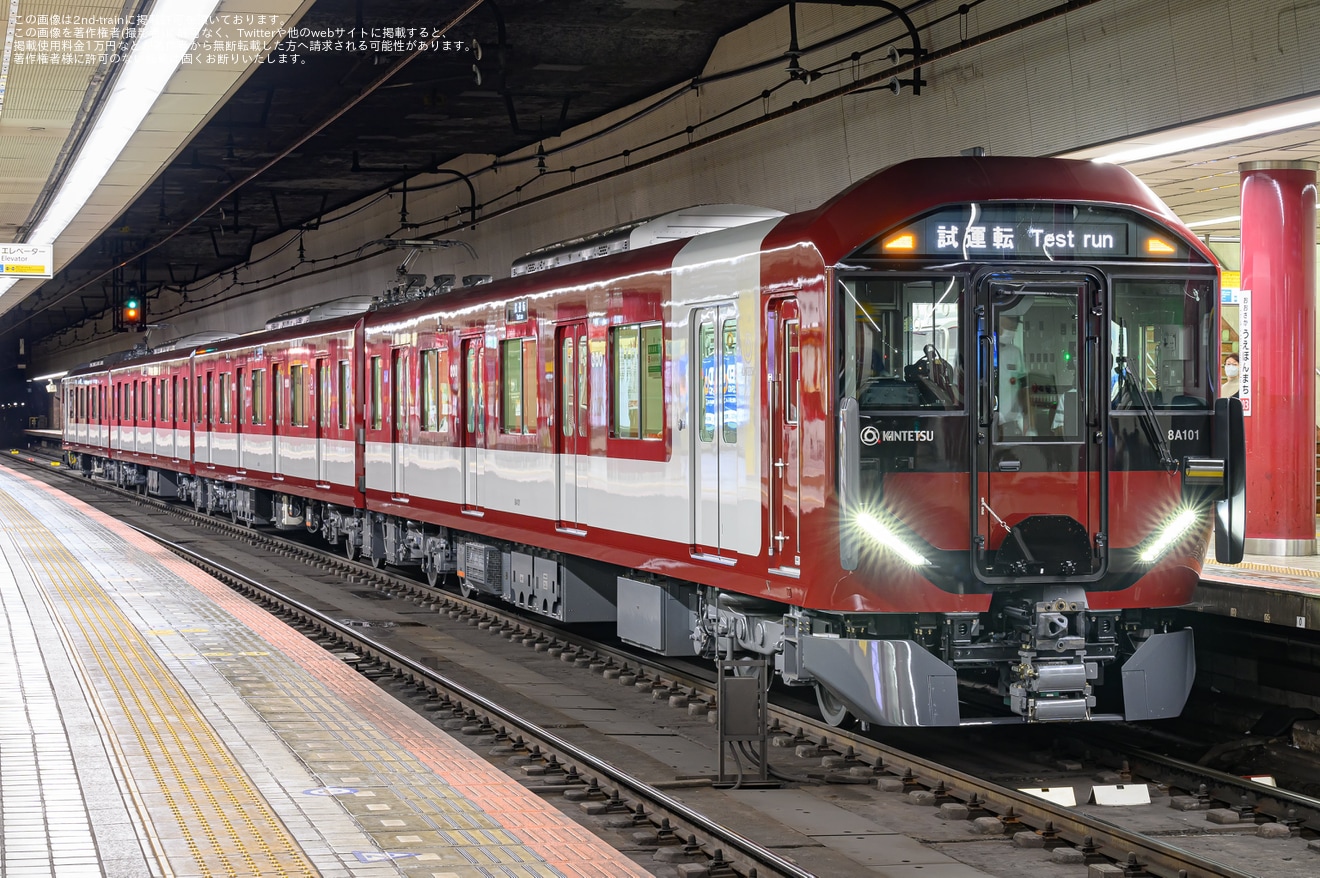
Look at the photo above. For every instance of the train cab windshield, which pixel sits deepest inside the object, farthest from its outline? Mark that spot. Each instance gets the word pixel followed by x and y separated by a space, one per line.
pixel 1161 339
pixel 902 343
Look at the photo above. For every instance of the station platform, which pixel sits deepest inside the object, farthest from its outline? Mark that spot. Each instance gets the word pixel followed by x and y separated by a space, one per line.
pixel 154 724
pixel 1263 588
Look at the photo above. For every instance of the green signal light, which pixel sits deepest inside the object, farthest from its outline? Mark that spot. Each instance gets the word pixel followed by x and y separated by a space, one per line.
pixel 131 303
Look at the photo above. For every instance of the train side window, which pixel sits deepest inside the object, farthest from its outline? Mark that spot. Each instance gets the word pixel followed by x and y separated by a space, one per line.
pixel 904 349
pixel 511 415
pixel 183 399
pixel 518 386
pixel 626 383
pixel 258 396
pixel 226 398
pixel 297 395
pixel 345 395
pixel 377 393
pixel 436 395
pixel 637 381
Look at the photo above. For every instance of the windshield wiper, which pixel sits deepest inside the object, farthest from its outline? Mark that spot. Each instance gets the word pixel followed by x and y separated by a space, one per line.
pixel 1149 425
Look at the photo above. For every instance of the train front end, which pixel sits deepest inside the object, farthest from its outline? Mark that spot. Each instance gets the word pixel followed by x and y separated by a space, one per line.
pixel 1031 457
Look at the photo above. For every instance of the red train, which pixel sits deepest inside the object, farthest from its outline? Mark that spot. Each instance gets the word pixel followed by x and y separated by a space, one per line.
pixel 957 425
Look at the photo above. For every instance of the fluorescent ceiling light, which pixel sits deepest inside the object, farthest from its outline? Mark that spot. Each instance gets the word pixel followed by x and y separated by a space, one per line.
pixel 170 32
pixel 1218 221
pixel 1254 128
pixel 7 52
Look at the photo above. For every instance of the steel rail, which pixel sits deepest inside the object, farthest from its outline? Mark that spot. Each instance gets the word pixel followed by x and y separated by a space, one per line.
pixel 1263 798
pixel 741 844
pixel 1113 842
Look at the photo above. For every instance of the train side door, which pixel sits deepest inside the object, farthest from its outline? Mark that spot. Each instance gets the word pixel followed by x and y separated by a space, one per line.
pixel 572 436
pixel 715 428
pixel 320 419
pixel 399 411
pixel 206 415
pixel 277 417
pixel 474 418
pixel 1040 470
pixel 239 375
pixel 785 405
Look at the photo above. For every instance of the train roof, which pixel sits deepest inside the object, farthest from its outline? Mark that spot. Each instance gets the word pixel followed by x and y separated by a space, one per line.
pixel 837 228
pixel 896 193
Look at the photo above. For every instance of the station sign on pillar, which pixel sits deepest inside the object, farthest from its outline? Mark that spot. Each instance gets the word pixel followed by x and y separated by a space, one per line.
pixel 1278 354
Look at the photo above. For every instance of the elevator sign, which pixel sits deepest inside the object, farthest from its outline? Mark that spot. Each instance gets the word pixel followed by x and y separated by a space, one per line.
pixel 26 260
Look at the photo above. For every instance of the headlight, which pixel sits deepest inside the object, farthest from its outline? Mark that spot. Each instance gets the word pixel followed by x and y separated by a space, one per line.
pixel 1171 532
pixel 872 527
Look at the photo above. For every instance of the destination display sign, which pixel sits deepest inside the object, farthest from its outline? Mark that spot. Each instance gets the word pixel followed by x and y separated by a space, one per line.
pixel 1032 231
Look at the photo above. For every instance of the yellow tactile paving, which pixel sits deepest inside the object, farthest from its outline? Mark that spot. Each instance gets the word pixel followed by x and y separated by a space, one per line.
pixel 226 825
pixel 405 789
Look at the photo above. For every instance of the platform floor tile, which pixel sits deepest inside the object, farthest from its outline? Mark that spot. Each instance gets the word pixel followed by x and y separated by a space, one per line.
pixel 238 747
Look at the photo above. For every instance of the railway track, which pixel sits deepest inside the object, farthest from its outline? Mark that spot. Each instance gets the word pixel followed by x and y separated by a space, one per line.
pixel 824 755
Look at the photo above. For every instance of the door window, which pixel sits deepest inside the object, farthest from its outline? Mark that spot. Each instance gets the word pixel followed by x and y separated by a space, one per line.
pixel 709 380
pixel 568 380
pixel 1037 368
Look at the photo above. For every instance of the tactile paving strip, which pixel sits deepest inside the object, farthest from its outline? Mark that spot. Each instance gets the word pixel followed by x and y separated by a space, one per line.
pixel 225 825
pixel 423 802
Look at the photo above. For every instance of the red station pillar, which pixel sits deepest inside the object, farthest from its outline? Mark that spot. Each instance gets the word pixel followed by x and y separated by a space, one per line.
pixel 1278 354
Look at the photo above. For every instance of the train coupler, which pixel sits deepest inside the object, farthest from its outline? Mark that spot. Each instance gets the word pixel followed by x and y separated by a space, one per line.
pixel 1051 692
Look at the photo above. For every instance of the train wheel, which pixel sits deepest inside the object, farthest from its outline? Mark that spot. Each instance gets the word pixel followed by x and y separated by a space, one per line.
pixel 350 549
pixel 432 574
pixel 832 710
pixel 378 562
